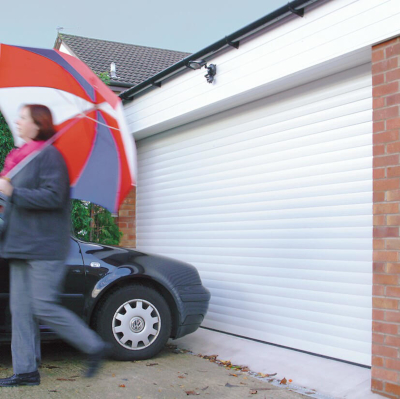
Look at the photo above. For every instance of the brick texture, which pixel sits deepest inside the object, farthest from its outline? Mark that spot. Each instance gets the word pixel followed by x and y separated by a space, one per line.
pixel 386 186
pixel 126 220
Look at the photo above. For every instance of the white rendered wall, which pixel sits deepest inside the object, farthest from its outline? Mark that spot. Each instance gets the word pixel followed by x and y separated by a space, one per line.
pixel 332 36
pixel 65 50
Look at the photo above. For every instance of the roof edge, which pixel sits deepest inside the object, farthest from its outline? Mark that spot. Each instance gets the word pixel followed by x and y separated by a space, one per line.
pixel 124 43
pixel 294 7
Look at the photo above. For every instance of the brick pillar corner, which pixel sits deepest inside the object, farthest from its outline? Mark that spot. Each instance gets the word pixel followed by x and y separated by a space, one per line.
pixel 126 220
pixel 386 197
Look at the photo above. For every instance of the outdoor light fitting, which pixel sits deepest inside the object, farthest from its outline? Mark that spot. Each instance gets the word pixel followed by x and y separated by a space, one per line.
pixel 197 64
pixel 211 69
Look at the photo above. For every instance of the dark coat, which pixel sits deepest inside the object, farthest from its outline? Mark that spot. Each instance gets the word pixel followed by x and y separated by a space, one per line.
pixel 37 215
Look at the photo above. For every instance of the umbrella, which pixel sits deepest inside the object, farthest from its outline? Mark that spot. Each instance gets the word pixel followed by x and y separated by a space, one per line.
pixel 92 133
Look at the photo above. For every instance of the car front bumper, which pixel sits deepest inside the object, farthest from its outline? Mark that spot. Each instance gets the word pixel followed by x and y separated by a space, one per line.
pixel 195 300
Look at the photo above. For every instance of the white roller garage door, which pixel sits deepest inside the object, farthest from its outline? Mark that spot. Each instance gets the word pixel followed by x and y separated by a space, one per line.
pixel 272 202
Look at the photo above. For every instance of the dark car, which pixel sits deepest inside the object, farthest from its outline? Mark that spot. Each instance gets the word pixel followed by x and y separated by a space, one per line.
pixel 135 301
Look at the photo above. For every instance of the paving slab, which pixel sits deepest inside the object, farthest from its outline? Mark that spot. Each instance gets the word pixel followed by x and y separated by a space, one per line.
pixel 328 378
pixel 172 374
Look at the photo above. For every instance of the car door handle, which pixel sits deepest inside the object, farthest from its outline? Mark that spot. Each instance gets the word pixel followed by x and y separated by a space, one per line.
pixel 94 264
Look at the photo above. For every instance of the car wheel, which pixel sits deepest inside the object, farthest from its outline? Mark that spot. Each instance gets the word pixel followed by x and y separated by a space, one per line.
pixel 136 320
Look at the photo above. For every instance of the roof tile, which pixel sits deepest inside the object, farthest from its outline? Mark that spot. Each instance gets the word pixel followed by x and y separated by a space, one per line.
pixel 134 64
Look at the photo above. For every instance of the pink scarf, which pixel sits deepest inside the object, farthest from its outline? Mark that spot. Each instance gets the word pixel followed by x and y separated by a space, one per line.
pixel 18 154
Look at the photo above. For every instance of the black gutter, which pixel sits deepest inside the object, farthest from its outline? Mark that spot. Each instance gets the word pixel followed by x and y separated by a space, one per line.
pixel 119 84
pixel 295 7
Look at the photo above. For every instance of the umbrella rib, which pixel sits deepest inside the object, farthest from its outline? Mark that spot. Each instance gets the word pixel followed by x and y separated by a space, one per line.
pixel 100 123
pixel 82 113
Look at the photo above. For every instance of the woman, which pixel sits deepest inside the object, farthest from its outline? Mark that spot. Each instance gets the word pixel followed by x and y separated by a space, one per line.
pixel 35 239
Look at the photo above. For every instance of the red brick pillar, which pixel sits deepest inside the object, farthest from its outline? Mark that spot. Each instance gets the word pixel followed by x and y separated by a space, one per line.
pixel 126 220
pixel 386 177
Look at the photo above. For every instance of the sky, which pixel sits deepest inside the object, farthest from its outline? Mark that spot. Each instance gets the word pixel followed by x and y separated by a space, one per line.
pixel 181 25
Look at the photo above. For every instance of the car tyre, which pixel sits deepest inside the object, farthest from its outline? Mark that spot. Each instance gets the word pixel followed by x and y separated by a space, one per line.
pixel 136 320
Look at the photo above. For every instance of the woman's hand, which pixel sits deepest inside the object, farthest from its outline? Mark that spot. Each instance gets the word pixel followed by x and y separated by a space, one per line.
pixel 6 187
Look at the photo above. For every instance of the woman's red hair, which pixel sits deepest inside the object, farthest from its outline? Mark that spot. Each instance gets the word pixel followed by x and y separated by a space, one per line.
pixel 43 119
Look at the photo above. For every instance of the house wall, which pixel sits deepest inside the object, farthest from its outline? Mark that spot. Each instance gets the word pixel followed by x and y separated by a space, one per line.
pixel 295 51
pixel 126 220
pixel 333 36
pixel 66 50
pixel 386 290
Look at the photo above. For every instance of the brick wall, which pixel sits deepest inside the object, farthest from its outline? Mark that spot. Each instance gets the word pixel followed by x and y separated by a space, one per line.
pixel 126 220
pixel 386 177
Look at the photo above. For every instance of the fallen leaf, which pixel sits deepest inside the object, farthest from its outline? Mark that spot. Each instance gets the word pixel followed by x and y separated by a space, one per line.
pixel 152 364
pixel 283 381
pixel 233 375
pixel 210 357
pixel 310 393
pixel 243 383
pixel 203 389
pixel 245 369
pixel 74 376
pixel 65 379
pixel 253 391
pixel 266 375
pixel 191 393
pixel 122 385
pixel 112 375
pixel 181 376
pixel 159 389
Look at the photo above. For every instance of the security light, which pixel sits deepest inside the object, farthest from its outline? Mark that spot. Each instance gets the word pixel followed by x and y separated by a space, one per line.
pixel 211 69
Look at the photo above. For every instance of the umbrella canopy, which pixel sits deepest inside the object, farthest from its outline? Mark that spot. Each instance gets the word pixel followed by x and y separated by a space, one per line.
pixel 92 133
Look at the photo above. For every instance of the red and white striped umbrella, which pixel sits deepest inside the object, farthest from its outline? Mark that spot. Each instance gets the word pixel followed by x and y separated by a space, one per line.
pixel 92 133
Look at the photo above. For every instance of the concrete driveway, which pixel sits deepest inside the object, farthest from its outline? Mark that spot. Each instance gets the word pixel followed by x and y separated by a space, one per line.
pixel 172 374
